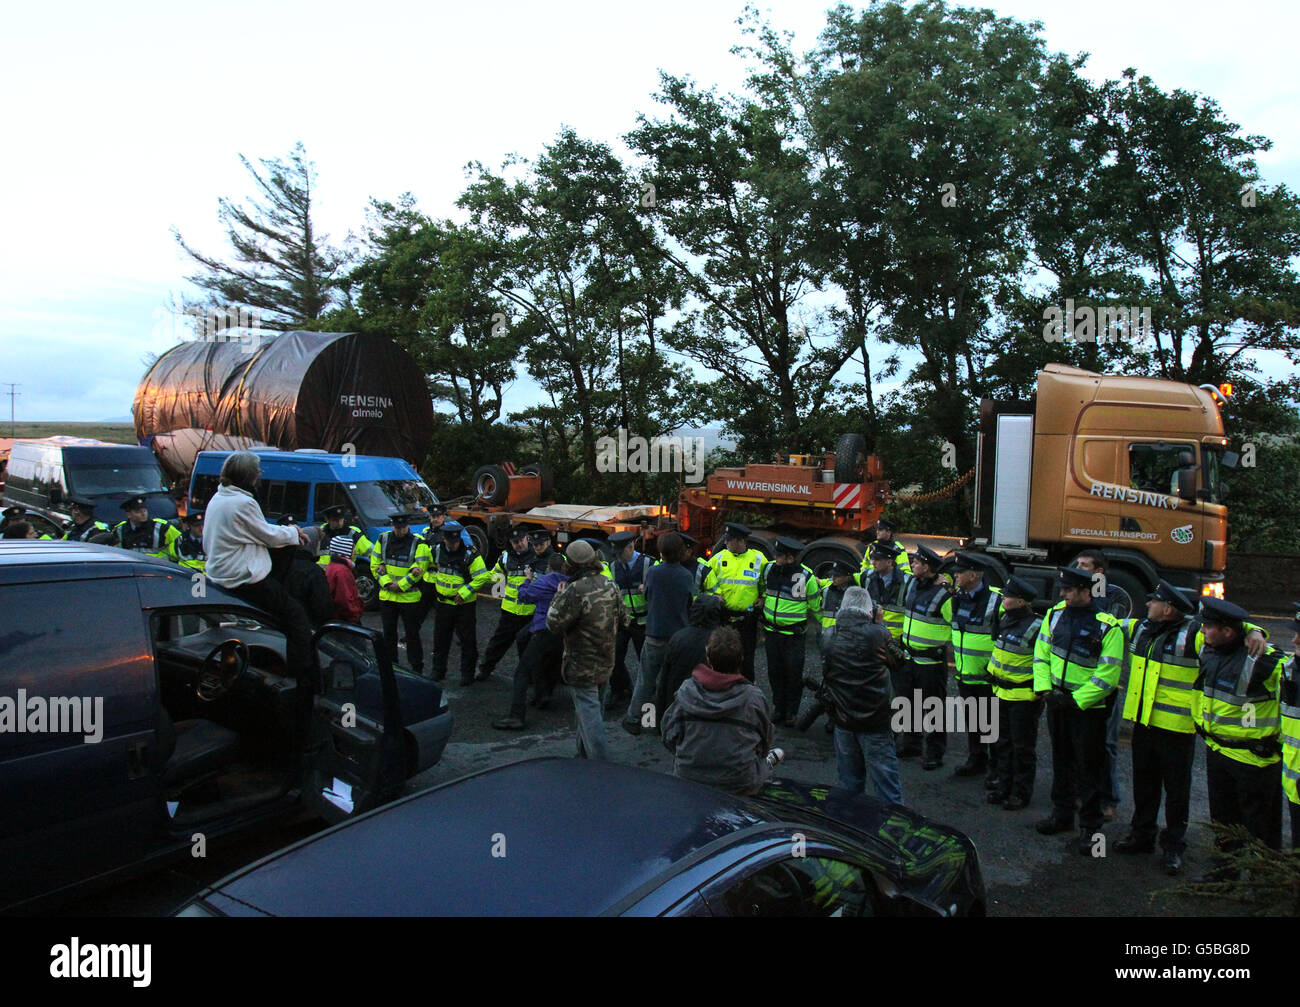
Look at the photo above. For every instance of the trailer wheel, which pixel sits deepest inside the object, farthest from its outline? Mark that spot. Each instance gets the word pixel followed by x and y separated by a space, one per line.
pixel 850 458
pixel 548 478
pixel 480 539
pixel 1129 593
pixel 492 485
pixel 819 555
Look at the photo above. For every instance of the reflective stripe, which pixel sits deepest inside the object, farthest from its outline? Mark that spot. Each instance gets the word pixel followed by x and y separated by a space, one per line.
pixel 1223 718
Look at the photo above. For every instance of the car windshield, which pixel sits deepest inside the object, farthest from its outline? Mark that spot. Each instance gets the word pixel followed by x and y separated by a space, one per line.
pixel 101 480
pixel 376 501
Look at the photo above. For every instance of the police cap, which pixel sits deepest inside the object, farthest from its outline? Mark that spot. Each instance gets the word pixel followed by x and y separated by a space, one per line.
pixel 789 546
pixel 518 533
pixel 131 503
pixel 539 535
pixel 15 511
pixel 192 517
pixel 689 540
pixel 879 550
pixel 841 569
pixel 337 510
pixel 81 503
pixel 1072 576
pixel 736 531
pixel 1219 610
pixel 436 509
pixel 971 561
pixel 400 517
pixel 1018 587
pixel 927 555
pixel 621 538
pixel 883 525
pixel 452 529
pixel 1166 592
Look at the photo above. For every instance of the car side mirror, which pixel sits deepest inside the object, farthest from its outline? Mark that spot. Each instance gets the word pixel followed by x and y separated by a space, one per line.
pixel 1187 483
pixel 1230 459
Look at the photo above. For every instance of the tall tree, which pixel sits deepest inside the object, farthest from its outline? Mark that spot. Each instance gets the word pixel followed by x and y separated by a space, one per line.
pixel 282 269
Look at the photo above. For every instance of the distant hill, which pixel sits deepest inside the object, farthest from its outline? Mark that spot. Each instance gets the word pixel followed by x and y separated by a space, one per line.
pixel 114 433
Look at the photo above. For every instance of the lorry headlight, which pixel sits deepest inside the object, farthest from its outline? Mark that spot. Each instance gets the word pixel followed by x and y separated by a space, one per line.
pixel 1212 590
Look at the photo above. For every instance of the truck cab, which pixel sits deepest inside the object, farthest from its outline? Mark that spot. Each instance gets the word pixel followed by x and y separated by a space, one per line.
pixel 1131 466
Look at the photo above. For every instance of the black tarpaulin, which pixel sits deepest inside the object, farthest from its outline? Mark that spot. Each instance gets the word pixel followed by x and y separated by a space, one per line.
pixel 286 390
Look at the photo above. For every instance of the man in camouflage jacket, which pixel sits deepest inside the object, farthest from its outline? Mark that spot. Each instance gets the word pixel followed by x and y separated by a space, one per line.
pixel 587 612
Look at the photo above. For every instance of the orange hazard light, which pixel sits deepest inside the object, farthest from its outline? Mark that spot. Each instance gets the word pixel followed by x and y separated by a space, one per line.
pixel 1225 389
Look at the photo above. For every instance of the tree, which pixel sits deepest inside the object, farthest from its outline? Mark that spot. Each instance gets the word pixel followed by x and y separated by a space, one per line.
pixel 282 269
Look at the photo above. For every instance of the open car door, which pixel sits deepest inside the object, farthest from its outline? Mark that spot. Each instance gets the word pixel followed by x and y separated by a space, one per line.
pixel 356 730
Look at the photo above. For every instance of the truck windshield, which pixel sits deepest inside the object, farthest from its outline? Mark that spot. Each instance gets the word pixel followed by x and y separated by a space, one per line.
pixel 101 480
pixel 376 501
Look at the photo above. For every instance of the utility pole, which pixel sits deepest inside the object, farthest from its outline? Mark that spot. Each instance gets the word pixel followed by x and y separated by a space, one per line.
pixel 12 395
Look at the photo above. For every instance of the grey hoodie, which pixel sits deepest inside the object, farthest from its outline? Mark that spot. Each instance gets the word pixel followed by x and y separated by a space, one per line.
pixel 719 729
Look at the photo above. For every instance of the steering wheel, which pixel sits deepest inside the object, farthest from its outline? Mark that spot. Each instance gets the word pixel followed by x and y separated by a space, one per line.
pixel 220 670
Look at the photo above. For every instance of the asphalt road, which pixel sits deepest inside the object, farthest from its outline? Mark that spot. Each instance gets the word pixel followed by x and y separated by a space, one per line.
pixel 1026 874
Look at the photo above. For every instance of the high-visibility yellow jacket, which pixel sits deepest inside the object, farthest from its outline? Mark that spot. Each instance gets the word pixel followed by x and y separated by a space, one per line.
pixel 1085 667
pixel 738 577
pixel 1289 728
pixel 514 570
pixel 927 621
pixel 972 633
pixel 404 562
pixel 889 600
pixel 156 538
pixel 1011 665
pixel 458 575
pixel 1237 710
pixel 790 595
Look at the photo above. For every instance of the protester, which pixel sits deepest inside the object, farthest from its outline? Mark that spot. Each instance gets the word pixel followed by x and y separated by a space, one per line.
pixel 669 587
pixel 587 612
pixel 341 577
pixel 688 648
pixel 19 529
pixel 306 580
pixel 855 691
pixel 237 540
pixel 544 650
pixel 719 724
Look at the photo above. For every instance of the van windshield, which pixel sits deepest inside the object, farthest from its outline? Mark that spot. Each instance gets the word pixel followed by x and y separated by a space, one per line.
pixel 101 480
pixel 376 501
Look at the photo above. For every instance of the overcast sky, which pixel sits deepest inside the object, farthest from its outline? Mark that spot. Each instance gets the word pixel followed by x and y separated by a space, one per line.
pixel 124 121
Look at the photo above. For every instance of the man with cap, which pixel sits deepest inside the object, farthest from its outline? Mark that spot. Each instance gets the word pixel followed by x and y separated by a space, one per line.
pixel 831 590
pixel 587 612
pixel 1108 598
pixel 697 565
pixel 629 573
pixel 84 526
pixel 514 567
pixel 189 547
pixel 11 514
pixel 400 563
pixel 974 612
pixel 926 637
pixel 1289 732
pixel 884 537
pixel 143 534
pixel 736 571
pixel 790 596
pixel 1077 660
pixel 338 538
pixel 887 586
pixel 1164 661
pixel 458 573
pixel 1237 714
pixel 1011 672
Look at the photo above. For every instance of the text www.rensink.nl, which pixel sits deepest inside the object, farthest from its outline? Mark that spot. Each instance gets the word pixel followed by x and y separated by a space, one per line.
pixel 1205 975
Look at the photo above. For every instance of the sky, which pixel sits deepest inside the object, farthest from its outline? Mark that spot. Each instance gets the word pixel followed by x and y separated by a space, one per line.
pixel 123 122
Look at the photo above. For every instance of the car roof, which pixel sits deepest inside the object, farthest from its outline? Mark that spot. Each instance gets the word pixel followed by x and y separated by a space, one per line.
pixel 573 837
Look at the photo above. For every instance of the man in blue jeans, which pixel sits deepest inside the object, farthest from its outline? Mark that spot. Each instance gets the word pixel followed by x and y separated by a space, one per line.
pixel 669 590
pixel 855 691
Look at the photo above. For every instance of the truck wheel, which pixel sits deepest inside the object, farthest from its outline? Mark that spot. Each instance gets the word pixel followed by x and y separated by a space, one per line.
pixel 1129 593
pixel 548 479
pixel 819 555
pixel 492 485
pixel 850 458
pixel 480 539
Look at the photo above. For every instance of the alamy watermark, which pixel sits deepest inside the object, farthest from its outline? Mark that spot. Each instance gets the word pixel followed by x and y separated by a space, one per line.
pixel 658 454
pixel 1108 323
pixel 950 714
pixel 26 714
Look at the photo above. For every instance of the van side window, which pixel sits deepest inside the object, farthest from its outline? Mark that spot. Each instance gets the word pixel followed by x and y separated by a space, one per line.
pixel 280 497
pixel 328 495
pixel 1154 466
pixel 205 488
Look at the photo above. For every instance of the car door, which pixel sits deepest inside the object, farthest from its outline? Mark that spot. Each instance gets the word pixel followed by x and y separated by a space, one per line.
pixel 356 746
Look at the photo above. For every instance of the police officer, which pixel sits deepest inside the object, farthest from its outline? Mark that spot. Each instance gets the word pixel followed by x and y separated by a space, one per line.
pixel 887 586
pixel 1108 599
pixel 189 547
pixel 11 514
pixel 1011 672
pixel 513 568
pixel 1238 716
pixel 540 540
pixel 458 573
pixel 629 572
pixel 926 636
pixel 885 539
pixel 1164 659
pixel 142 534
pixel 832 588
pixel 736 571
pixel 1289 703
pixel 1077 660
pixel 974 610
pixel 400 562
pixel 790 596
pixel 84 526
pixel 705 580
pixel 339 538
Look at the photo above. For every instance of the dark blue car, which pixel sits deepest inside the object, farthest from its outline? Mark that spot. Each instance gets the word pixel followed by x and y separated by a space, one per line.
pixel 571 837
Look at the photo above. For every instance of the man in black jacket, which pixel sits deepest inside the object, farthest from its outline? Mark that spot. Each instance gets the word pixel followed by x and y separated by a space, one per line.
pixel 855 690
pixel 305 580
pixel 687 647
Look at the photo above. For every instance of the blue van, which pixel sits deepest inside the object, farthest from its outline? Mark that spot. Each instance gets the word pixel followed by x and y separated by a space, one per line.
pixel 300 485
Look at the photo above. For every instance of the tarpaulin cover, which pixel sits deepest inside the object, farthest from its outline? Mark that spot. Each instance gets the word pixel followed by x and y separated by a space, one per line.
pixel 285 390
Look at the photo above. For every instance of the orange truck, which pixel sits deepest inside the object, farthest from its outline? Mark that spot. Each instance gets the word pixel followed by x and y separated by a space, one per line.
pixel 1128 465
